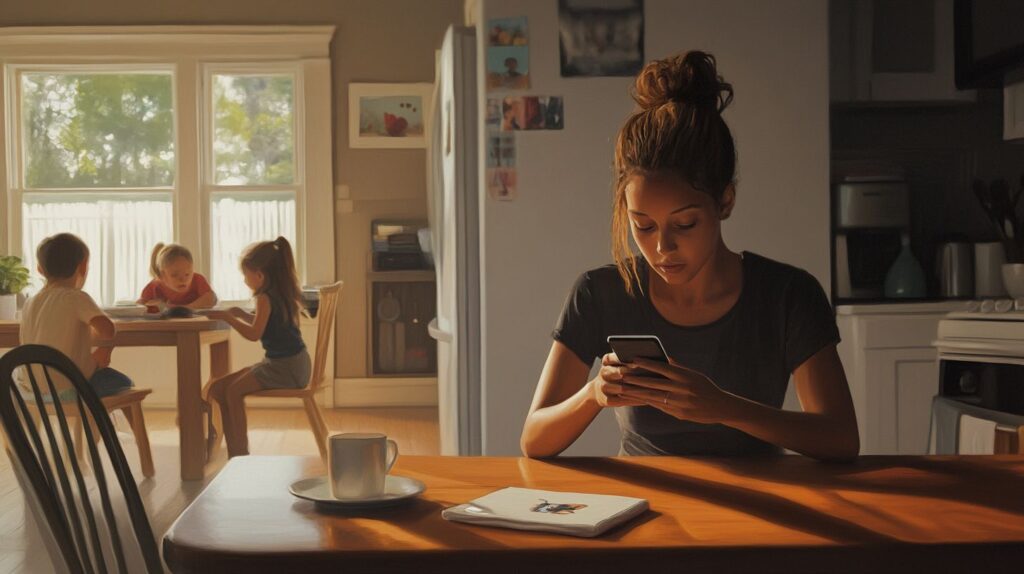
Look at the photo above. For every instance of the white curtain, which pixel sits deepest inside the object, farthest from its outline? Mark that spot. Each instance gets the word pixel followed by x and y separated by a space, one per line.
pixel 238 221
pixel 120 234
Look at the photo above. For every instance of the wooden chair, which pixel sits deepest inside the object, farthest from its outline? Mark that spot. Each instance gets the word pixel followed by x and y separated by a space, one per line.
pixel 325 326
pixel 129 402
pixel 84 539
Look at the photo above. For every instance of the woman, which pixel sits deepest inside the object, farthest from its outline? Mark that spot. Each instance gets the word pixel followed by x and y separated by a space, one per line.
pixel 735 325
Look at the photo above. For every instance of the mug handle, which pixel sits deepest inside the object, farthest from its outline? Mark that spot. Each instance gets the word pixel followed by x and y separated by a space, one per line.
pixel 392 455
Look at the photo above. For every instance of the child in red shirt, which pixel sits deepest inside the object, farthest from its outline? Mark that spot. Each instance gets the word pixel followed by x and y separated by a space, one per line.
pixel 174 283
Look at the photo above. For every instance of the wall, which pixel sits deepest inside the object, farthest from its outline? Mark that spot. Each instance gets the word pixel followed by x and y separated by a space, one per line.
pixel 375 41
pixel 774 54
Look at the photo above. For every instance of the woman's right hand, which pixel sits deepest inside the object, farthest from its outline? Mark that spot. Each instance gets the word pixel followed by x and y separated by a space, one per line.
pixel 608 385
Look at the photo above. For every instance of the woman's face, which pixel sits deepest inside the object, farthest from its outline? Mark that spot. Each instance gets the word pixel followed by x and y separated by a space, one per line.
pixel 676 227
pixel 177 274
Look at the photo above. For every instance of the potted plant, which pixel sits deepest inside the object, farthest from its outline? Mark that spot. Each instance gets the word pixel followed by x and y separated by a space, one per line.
pixel 13 279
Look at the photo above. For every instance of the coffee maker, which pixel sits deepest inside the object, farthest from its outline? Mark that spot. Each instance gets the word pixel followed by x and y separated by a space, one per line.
pixel 871 220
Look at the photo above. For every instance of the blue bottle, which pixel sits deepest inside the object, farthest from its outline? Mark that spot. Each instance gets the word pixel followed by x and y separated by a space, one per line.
pixel 905 278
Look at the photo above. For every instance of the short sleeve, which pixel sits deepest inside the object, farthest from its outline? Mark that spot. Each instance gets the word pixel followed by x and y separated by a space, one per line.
pixel 810 323
pixel 579 326
pixel 202 285
pixel 149 291
pixel 85 308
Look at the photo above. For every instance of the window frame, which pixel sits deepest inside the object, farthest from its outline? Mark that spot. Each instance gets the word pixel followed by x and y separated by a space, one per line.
pixel 191 53
pixel 209 186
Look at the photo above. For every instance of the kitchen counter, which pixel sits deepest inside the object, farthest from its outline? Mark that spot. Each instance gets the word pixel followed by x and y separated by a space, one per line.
pixel 902 308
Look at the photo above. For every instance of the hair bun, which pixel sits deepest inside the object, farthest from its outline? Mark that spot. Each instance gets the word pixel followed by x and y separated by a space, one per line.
pixel 690 79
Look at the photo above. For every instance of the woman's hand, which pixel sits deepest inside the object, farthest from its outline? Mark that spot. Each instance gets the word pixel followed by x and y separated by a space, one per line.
pixel 683 393
pixel 607 387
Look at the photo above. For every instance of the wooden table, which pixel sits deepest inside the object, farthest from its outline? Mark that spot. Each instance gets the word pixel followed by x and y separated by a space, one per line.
pixel 786 514
pixel 188 336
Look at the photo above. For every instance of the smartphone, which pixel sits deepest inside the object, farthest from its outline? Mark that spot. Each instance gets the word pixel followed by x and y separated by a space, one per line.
pixel 629 347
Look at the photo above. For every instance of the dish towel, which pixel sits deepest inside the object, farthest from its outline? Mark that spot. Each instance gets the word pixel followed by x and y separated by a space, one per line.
pixel 945 428
pixel 977 436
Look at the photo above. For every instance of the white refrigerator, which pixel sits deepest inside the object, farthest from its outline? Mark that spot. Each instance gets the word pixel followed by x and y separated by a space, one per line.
pixel 454 214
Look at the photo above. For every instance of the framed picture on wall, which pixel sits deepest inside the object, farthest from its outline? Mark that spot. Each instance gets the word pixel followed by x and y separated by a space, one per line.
pixel 388 115
pixel 601 37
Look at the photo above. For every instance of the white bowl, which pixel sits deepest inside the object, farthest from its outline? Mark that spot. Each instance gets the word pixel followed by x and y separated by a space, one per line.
pixel 1013 279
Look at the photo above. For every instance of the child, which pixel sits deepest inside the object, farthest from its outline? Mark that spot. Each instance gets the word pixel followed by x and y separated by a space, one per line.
pixel 66 318
pixel 174 282
pixel 269 270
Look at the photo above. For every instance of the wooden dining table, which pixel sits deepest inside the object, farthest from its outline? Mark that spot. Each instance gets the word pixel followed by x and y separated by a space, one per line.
pixel 188 336
pixel 782 514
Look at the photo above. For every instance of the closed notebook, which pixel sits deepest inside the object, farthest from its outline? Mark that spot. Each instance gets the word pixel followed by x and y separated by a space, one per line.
pixel 559 512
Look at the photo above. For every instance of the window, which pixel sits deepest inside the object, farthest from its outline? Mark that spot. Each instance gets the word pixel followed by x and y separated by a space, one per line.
pixel 252 184
pixel 198 135
pixel 96 146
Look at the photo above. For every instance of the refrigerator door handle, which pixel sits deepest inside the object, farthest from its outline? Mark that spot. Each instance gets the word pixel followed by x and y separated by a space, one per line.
pixel 437 333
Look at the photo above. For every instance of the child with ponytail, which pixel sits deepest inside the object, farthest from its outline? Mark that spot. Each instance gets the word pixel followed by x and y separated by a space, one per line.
pixel 175 283
pixel 269 270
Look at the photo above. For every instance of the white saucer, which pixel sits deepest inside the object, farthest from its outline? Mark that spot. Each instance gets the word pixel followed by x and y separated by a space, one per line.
pixel 397 489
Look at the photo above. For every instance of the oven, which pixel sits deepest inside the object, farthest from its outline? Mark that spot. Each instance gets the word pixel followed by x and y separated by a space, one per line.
pixel 979 408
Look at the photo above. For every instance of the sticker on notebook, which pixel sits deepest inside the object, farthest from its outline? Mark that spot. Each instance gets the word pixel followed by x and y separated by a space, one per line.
pixel 556 508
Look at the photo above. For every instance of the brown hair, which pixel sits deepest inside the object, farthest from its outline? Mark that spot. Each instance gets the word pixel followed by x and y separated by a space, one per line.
pixel 164 254
pixel 678 133
pixel 60 255
pixel 275 261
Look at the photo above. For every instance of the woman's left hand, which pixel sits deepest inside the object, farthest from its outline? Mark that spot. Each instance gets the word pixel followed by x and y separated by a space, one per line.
pixel 683 393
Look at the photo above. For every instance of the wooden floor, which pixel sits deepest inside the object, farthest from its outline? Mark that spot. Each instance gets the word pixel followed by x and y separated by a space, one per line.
pixel 271 431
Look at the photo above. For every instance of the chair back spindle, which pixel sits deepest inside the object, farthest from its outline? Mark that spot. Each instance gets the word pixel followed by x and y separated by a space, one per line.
pixel 325 326
pixel 44 453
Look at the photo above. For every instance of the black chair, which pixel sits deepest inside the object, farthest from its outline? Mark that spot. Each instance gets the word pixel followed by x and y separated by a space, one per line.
pixel 45 452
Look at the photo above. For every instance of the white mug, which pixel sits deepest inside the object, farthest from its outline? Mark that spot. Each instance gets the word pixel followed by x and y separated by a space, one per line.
pixel 358 463
pixel 988 270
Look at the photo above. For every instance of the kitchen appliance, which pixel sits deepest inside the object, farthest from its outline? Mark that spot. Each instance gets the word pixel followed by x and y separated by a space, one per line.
pixel 396 245
pixel 956 270
pixel 988 269
pixel 871 220
pixel 979 408
pixel 454 210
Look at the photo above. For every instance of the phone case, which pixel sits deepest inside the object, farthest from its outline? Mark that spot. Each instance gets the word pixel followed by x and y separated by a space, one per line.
pixel 629 347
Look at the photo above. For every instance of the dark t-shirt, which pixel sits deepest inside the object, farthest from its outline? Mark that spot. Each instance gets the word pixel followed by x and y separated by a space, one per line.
pixel 281 337
pixel 781 319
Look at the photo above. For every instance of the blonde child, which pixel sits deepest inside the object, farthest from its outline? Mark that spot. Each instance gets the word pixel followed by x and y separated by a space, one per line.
pixel 175 283
pixel 269 270
pixel 66 318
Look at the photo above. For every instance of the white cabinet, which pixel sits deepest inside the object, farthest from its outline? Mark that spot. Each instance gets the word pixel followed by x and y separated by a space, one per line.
pixel 892 51
pixel 1013 111
pixel 893 372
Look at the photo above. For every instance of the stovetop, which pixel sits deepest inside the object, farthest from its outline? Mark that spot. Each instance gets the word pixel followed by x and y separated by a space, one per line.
pixel 991 310
pixel 991 327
